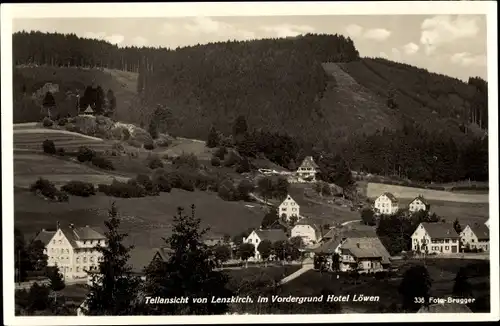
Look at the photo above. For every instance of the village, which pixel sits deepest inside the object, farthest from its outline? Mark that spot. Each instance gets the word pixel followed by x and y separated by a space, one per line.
pixel 358 248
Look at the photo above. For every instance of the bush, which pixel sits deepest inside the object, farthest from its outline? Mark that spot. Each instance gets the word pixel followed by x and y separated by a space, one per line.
pixel 61 151
pixel 61 196
pixel 47 122
pixel 162 183
pixel 103 163
pixel 134 143
pixel 187 160
pixel 122 190
pixel 182 179
pixel 71 127
pixel 149 146
pixel 104 188
pixel 245 187
pixel 62 122
pixel 231 160
pixel 215 161
pixel 144 181
pixel 125 134
pixel 49 147
pixel 45 187
pixel 85 154
pixel 221 152
pixel 79 188
pixel 163 141
pixel 155 163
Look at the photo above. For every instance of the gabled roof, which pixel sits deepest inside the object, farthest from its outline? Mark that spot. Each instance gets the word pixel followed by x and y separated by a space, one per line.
pixel 308 162
pixel 422 199
pixel 318 230
pixel 444 308
pixel 370 247
pixel 88 110
pixel 288 197
pixel 44 236
pixel 335 237
pixel 391 197
pixel 163 253
pixel 272 235
pixel 142 257
pixel 481 231
pixel 440 230
pixel 80 234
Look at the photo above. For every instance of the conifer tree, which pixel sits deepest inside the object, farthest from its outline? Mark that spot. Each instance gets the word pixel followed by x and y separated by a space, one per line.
pixel 188 272
pixel 113 290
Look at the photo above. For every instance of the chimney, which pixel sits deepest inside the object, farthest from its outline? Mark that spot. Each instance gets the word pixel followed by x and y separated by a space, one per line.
pixel 357 244
pixel 71 225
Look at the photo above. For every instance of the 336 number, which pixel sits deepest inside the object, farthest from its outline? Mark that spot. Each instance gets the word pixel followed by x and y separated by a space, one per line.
pixel 419 300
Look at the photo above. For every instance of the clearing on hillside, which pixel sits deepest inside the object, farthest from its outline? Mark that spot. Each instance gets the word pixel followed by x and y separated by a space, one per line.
pixel 352 105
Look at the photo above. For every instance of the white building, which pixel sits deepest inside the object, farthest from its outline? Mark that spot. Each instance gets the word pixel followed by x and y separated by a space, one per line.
pixel 289 208
pixel 309 231
pixel 386 204
pixel 257 236
pixel 418 204
pixel 308 169
pixel 487 223
pixel 476 237
pixel 439 238
pixel 72 249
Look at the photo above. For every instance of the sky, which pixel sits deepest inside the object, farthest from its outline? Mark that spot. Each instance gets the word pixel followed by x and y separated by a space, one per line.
pixel 454 45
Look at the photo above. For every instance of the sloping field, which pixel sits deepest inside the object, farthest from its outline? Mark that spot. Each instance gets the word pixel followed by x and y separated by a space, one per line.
pixel 376 189
pixel 28 167
pixel 188 146
pixel 146 219
pixel 352 104
pixel 32 138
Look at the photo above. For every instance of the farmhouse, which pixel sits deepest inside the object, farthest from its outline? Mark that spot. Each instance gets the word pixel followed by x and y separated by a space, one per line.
pixel 308 169
pixel 309 231
pixel 289 208
pixel 213 240
pixel 364 255
pixel 72 249
pixel 257 236
pixel 476 237
pixel 439 238
pixel 386 204
pixel 418 204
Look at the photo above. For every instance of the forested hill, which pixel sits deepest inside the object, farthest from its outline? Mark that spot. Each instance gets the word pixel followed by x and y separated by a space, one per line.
pixel 314 88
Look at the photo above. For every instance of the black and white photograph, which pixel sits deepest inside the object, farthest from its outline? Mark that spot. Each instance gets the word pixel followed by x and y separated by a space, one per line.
pixel 287 162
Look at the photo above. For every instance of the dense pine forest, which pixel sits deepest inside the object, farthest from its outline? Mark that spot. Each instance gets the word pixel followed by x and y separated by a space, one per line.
pixel 428 127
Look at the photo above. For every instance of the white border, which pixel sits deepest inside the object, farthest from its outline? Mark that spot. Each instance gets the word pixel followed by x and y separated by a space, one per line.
pixel 10 11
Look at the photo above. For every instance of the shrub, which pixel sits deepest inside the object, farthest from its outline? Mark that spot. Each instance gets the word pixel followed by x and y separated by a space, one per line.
pixel 134 143
pixel 123 190
pixel 85 154
pixel 149 146
pixel 103 163
pixel 61 196
pixel 49 147
pixel 182 179
pixel 47 122
pixel 163 141
pixel 221 152
pixel 155 163
pixel 231 160
pixel 61 151
pixel 144 181
pixel 104 188
pixel 45 187
pixel 243 166
pixel 71 127
pixel 244 188
pixel 215 161
pixel 187 160
pixel 125 134
pixel 79 188
pixel 62 122
pixel 162 183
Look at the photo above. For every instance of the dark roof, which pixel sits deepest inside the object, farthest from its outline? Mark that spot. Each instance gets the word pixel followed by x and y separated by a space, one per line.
pixel 335 237
pixel 44 236
pixel 440 230
pixel 422 199
pixel 309 162
pixel 391 197
pixel 142 257
pixel 444 308
pixel 80 233
pixel 272 235
pixel 370 247
pixel 481 231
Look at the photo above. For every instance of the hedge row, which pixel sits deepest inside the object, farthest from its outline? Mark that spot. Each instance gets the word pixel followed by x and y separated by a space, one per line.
pixel 48 190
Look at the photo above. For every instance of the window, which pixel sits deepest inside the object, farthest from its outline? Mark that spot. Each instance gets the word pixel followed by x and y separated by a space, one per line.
pixel 91 259
pixel 249 240
pixel 84 259
pixel 283 209
pixel 447 240
pixel 447 248
pixel 77 260
pixel 84 242
pixel 77 269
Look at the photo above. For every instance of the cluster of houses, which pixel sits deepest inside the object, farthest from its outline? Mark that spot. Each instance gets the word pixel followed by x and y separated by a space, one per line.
pixel 388 204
